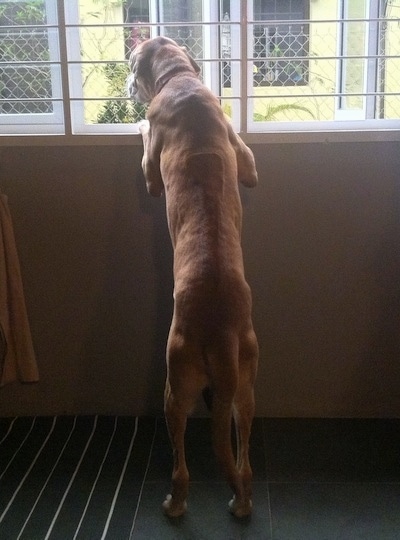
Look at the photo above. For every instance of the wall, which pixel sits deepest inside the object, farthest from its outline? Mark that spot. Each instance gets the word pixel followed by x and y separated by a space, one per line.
pixel 321 237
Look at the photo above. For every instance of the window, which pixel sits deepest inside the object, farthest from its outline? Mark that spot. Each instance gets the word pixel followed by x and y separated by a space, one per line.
pixel 277 65
pixel 335 69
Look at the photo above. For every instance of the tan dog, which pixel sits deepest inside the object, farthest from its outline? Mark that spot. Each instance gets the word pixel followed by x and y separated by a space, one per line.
pixel 192 152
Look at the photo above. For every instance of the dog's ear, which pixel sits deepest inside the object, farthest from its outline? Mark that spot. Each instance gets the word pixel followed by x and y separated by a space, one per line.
pixel 193 63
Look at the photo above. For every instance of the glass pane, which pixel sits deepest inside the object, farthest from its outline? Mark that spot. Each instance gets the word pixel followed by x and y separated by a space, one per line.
pixel 98 50
pixel 288 65
pixel 189 36
pixel 102 34
pixel 101 46
pixel 281 43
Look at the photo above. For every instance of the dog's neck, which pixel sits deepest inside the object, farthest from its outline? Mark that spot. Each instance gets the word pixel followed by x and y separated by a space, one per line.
pixel 164 79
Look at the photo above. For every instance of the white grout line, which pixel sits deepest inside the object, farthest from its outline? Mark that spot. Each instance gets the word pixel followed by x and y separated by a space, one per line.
pixel 8 431
pixel 143 482
pixel 48 479
pixel 19 448
pixel 128 455
pixel 72 480
pixel 96 479
pixel 29 470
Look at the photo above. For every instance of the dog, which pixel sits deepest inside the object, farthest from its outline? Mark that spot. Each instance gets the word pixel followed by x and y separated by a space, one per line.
pixel 193 155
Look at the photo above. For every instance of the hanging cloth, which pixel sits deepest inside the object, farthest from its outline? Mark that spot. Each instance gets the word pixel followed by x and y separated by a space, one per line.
pixel 17 357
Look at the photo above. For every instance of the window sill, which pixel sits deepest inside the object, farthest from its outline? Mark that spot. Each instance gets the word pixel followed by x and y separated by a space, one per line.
pixel 272 137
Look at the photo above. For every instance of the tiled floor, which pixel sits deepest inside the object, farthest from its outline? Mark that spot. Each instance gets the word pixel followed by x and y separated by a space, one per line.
pixel 96 478
pixel 313 480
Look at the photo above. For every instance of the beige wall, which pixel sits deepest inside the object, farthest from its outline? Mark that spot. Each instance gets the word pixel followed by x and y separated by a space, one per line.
pixel 321 243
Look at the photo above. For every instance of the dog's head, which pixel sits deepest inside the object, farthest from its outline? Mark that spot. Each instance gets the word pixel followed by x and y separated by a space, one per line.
pixel 153 63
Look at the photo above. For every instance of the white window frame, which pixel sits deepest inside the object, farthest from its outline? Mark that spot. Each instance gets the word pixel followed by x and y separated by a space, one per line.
pixel 343 113
pixel 237 78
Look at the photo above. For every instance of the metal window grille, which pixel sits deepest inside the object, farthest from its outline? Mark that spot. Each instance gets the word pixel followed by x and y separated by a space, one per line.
pixel 280 52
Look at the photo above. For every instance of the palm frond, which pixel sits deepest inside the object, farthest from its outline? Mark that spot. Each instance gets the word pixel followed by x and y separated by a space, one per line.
pixel 271 111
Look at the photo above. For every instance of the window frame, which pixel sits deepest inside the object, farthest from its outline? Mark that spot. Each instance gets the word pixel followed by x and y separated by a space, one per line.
pixel 341 112
pixel 73 132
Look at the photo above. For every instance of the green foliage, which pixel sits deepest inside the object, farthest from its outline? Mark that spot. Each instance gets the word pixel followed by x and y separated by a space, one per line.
pixel 119 111
pixel 271 111
pixel 31 12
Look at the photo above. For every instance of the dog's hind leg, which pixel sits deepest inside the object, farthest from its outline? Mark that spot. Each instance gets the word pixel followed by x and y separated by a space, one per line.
pixel 185 381
pixel 221 433
pixel 243 414
pixel 223 365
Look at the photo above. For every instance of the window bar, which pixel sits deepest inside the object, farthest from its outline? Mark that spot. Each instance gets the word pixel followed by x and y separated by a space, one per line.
pixel 64 68
pixel 243 67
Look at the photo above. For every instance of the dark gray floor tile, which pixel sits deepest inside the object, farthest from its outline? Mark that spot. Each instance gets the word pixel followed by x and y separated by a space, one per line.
pixel 257 451
pixel 200 456
pixel 161 457
pixel 207 516
pixel 335 511
pixel 332 450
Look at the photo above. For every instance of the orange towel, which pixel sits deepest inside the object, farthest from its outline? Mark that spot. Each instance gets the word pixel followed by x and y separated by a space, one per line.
pixel 17 357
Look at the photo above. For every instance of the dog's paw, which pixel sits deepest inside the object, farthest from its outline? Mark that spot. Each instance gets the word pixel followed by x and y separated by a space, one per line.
pixel 172 508
pixel 240 509
pixel 143 127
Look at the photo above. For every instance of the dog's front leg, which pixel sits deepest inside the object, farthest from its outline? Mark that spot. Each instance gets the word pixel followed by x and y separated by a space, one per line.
pixel 151 160
pixel 247 173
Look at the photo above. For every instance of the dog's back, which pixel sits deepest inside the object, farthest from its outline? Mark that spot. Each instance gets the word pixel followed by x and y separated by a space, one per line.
pixel 205 220
pixel 211 342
